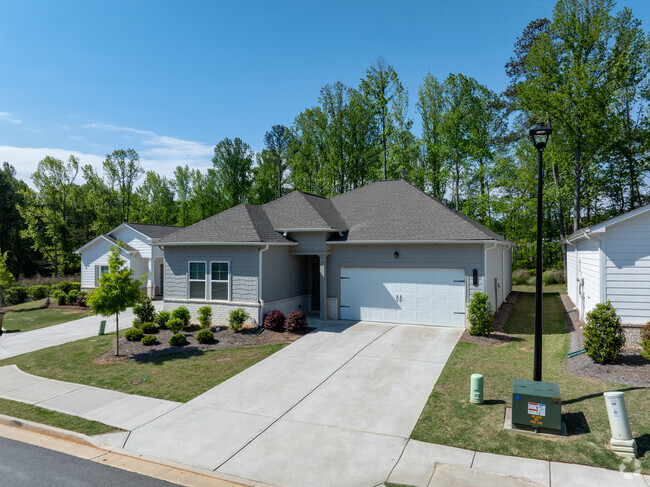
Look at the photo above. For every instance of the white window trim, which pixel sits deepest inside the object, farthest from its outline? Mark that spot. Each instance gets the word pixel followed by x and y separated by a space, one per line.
pixel 205 280
pixel 229 280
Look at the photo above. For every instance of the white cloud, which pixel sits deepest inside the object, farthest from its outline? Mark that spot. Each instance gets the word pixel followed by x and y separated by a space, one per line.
pixel 8 117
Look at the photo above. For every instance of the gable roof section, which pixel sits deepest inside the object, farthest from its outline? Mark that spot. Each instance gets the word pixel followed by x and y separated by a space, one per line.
pixel 109 238
pixel 397 211
pixel 305 211
pixel 602 227
pixel 154 231
pixel 241 224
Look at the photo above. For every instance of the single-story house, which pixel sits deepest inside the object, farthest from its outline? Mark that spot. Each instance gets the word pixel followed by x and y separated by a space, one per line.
pixel 138 250
pixel 384 252
pixel 611 261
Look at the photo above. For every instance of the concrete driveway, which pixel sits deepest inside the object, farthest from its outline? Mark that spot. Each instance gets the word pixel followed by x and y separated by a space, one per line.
pixel 12 344
pixel 334 408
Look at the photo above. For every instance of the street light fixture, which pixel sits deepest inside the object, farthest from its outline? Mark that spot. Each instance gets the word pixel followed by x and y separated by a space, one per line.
pixel 539 136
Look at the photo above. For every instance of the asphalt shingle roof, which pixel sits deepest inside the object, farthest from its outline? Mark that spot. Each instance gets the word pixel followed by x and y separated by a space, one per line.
pixel 242 223
pixel 154 231
pixel 382 211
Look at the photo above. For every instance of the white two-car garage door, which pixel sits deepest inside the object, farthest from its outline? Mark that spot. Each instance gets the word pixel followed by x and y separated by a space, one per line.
pixel 414 296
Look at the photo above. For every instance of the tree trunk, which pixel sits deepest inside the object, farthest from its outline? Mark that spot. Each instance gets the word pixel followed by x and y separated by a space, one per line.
pixel 577 174
pixel 117 334
pixel 560 214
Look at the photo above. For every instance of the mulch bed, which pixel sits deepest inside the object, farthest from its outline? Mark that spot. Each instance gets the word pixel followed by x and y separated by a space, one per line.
pixel 498 336
pixel 223 338
pixel 631 369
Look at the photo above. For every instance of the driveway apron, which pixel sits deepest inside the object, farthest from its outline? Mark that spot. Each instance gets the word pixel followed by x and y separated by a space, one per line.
pixel 334 408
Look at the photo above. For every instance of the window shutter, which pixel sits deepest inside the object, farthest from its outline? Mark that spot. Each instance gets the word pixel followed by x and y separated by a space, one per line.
pixel 96 276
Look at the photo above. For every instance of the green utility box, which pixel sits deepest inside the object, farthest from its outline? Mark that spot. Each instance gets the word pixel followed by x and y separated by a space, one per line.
pixel 536 405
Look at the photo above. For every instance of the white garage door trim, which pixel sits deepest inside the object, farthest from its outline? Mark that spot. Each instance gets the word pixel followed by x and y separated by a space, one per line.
pixel 403 295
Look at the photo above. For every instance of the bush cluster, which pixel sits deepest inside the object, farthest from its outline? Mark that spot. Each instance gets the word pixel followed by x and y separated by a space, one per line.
pixel 67 286
pixel 38 292
pixel 175 325
pixel 148 340
pixel 603 334
pixel 21 294
pixel 134 334
pixel 553 276
pixel 149 327
pixel 480 315
pixel 204 336
pixel 177 340
pixel 183 314
pixel 296 322
pixel 15 295
pixel 520 276
pixel 162 317
pixel 144 310
pixel 645 341
pixel 205 316
pixel 236 319
pixel 274 320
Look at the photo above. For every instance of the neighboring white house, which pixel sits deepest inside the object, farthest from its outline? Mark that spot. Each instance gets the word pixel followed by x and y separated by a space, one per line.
pixel 138 250
pixel 611 261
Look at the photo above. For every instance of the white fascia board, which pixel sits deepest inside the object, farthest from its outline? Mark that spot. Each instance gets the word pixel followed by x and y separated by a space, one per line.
pixel 220 244
pixel 419 242
pixel 333 230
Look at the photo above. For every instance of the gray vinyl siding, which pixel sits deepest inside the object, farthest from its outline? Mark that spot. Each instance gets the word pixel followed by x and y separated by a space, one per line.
pixel 283 275
pixel 627 263
pixel 312 242
pixel 243 269
pixel 437 256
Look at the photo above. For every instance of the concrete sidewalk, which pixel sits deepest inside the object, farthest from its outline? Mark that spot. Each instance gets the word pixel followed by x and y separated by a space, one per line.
pixel 124 411
pixel 12 344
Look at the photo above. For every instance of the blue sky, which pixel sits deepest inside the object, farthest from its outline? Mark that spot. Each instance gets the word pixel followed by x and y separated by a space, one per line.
pixel 171 79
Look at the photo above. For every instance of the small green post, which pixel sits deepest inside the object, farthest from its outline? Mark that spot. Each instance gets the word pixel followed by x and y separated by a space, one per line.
pixel 102 327
pixel 476 393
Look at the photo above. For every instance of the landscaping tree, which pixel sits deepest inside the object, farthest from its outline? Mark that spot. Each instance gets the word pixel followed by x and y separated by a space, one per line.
pixel 117 291
pixel 6 277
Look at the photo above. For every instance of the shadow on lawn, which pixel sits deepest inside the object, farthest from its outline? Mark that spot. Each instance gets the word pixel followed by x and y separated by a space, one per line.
pixel 163 356
pixel 576 423
pixel 525 305
pixel 599 394
pixel 643 445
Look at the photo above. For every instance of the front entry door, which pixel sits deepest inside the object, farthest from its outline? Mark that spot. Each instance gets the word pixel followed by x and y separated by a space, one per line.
pixel 315 286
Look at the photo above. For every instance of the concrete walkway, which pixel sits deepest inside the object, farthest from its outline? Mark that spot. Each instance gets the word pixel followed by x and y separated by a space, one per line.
pixel 335 408
pixel 12 344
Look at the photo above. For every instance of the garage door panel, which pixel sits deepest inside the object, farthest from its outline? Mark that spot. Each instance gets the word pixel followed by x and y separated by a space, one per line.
pixel 417 296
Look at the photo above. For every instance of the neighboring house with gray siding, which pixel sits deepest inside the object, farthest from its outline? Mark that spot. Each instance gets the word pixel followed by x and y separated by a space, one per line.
pixel 136 248
pixel 384 252
pixel 611 261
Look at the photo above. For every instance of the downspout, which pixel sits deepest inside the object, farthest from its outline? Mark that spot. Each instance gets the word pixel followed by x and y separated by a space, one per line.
pixel 260 316
pixel 485 287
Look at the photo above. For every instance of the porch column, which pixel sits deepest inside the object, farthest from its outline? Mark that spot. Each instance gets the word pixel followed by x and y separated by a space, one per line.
pixel 323 286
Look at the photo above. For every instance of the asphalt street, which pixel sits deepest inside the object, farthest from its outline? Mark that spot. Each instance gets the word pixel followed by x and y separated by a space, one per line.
pixel 24 465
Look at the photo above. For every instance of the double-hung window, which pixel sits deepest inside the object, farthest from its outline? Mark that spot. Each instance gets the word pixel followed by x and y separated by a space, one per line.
pixel 219 280
pixel 197 280
pixel 103 270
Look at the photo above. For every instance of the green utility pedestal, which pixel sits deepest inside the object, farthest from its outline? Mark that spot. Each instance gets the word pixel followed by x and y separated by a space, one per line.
pixel 536 405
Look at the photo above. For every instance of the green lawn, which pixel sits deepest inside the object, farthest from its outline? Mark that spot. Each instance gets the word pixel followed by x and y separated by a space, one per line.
pixel 26 318
pixel 176 376
pixel 26 305
pixel 52 418
pixel 450 419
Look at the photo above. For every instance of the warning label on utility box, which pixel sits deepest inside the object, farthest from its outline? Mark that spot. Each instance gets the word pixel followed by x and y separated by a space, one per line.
pixel 537 409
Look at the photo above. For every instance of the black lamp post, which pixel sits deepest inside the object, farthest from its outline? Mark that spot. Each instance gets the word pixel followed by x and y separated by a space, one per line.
pixel 539 135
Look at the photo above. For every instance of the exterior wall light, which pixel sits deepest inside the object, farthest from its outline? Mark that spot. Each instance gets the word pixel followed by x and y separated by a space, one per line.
pixel 396 254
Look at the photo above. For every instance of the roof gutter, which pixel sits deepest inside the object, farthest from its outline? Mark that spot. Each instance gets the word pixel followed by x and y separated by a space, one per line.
pixel 406 242
pixel 211 244
pixel 283 230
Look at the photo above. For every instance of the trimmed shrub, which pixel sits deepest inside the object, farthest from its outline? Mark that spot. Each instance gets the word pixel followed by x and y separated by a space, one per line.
pixel 183 314
pixel 162 317
pixel 603 333
pixel 553 276
pixel 60 296
pixel 274 320
pixel 645 341
pixel 134 334
pixel 136 323
pixel 38 292
pixel 144 310
pixel 15 295
pixel 175 325
pixel 520 276
pixel 82 300
pixel 296 322
pixel 148 340
pixel 71 298
pixel 177 340
pixel 479 315
pixel 205 316
pixel 204 336
pixel 236 319
pixel 149 327
pixel 67 286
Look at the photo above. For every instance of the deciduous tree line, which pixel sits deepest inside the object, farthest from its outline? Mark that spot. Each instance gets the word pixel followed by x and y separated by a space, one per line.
pixel 585 71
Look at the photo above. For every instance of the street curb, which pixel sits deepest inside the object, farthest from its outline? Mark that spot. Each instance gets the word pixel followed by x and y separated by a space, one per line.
pixel 80 438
